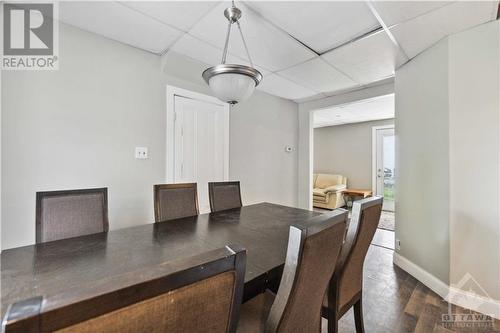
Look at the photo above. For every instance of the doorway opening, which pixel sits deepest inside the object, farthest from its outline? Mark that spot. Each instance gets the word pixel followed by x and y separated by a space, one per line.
pixel 383 180
pixel 350 141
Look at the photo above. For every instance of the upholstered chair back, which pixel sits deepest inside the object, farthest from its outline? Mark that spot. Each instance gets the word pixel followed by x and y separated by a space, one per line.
pixel 324 180
pixel 70 213
pixel 197 294
pixel 224 195
pixel 310 261
pixel 173 201
pixel 362 227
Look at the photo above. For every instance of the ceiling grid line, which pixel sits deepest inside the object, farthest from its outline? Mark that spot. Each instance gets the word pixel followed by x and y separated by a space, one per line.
pixel 447 3
pixel 190 27
pixel 283 31
pixel 386 29
pixel 121 3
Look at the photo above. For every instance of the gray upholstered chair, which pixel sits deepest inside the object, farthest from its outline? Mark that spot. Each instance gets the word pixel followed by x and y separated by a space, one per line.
pixel 346 287
pixel 174 201
pixel 71 213
pixel 224 195
pixel 196 294
pixel 297 305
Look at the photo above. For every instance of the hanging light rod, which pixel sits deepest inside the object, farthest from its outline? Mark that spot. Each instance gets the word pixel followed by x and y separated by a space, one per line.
pixel 232 83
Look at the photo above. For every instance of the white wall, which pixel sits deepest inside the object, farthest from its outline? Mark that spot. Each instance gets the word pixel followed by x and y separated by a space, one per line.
pixel 260 130
pixel 347 150
pixel 474 86
pixel 422 161
pixel 77 128
pixel 306 146
pixel 448 134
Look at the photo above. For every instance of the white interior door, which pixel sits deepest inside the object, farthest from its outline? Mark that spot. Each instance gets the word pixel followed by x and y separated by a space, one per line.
pixel 385 166
pixel 200 144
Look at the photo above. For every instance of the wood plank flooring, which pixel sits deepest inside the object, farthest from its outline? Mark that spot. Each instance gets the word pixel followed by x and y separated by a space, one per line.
pixel 384 238
pixel 394 301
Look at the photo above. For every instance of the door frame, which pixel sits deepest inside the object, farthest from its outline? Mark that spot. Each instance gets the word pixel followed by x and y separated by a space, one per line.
pixel 171 92
pixel 374 154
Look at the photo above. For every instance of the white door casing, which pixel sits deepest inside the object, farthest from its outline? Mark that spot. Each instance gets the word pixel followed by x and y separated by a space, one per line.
pixel 381 135
pixel 197 140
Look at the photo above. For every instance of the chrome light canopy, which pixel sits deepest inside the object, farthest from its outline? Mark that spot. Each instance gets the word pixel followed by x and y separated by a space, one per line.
pixel 230 82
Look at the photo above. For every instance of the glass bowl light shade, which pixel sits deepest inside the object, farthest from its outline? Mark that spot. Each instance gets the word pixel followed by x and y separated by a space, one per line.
pixel 232 83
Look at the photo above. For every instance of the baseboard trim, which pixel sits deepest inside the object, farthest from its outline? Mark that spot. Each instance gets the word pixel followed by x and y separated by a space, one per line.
pixel 429 280
pixel 451 294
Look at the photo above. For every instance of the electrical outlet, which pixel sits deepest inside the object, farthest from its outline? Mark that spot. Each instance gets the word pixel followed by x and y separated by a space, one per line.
pixel 398 244
pixel 141 152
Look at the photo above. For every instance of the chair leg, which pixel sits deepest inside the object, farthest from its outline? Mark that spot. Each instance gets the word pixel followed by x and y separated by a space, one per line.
pixel 333 324
pixel 358 316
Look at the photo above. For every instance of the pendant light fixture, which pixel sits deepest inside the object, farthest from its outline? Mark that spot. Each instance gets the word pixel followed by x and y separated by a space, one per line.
pixel 232 83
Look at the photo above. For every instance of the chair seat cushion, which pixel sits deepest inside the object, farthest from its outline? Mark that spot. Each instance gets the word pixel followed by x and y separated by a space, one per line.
pixel 254 313
pixel 319 192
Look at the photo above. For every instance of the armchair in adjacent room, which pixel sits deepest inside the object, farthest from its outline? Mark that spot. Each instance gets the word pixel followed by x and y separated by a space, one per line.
pixel 327 190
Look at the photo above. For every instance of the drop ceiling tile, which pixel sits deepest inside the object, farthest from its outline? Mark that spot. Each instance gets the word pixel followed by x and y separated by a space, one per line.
pixel 269 47
pixel 381 107
pixel 318 75
pixel 310 98
pixel 368 59
pixel 198 49
pixel 420 33
pixel 202 51
pixel 112 20
pixel 322 25
pixel 393 12
pixel 180 14
pixel 276 85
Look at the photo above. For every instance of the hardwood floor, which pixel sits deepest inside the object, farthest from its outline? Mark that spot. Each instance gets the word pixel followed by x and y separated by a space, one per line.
pixel 394 301
pixel 387 220
pixel 384 238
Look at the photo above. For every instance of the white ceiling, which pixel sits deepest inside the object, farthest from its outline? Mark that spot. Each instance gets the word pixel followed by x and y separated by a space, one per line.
pixel 305 49
pixel 370 109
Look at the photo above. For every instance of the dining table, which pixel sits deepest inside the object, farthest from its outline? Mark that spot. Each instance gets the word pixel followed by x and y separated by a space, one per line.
pixel 74 269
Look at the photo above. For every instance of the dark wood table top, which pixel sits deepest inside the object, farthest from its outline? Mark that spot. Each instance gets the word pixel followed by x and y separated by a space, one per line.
pixel 67 270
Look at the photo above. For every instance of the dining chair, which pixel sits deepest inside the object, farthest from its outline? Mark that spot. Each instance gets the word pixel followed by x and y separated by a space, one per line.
pixel 197 294
pixel 174 201
pixel 224 195
pixel 310 260
pixel 71 213
pixel 346 286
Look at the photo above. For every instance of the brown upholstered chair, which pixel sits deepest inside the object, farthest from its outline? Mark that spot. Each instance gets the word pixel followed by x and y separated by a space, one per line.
pixel 174 201
pixel 71 213
pixel 197 294
pixel 297 305
pixel 224 195
pixel 346 287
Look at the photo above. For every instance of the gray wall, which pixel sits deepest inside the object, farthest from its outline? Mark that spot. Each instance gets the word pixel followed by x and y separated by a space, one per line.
pixel 422 161
pixel 474 87
pixel 260 130
pixel 448 153
pixel 77 127
pixel 346 150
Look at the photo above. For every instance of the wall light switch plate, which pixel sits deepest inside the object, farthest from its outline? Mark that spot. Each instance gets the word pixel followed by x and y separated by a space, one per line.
pixel 141 152
pixel 398 244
